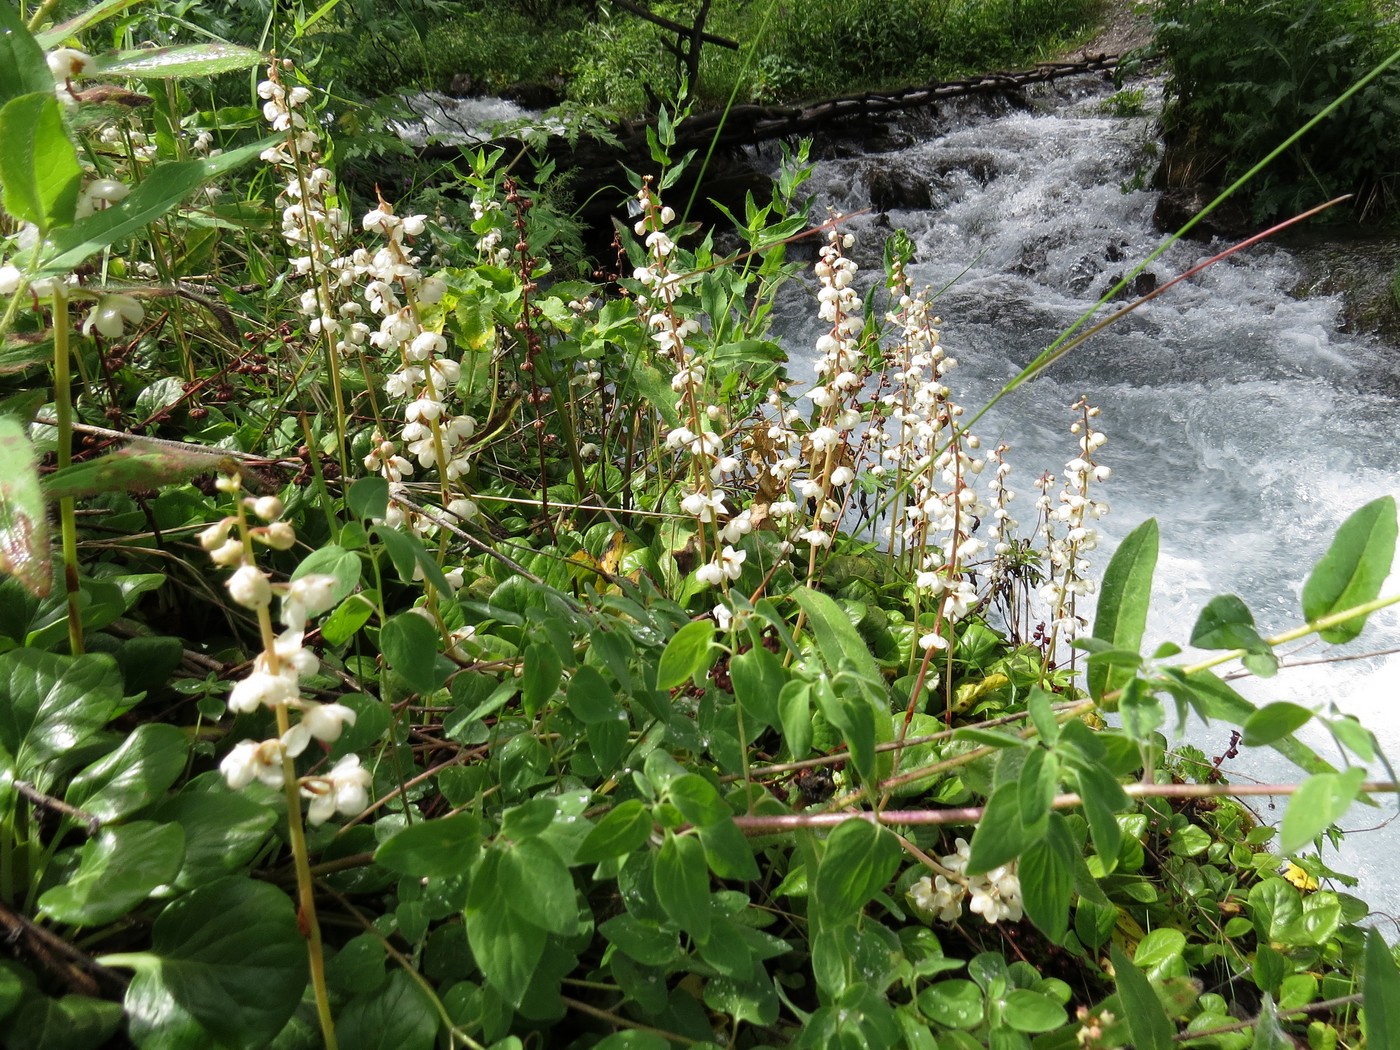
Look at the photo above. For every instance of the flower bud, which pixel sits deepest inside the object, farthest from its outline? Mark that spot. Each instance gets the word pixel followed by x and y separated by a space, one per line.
pixel 250 588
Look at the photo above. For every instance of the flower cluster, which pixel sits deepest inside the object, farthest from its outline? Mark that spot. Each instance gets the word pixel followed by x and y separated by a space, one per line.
pixel 704 497
pixel 932 454
pixel 1074 511
pixel 275 680
pixel 994 895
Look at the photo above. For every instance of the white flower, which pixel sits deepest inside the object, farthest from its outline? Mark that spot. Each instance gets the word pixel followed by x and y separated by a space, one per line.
pixel 112 314
pixel 67 62
pixel 345 789
pixel 269 508
pixel 327 721
pixel 314 593
pixel 250 760
pixel 261 689
pixel 250 588
pixel 731 562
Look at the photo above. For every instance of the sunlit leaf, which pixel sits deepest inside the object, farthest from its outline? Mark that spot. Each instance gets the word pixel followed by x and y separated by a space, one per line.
pixel 24 523
pixel 690 651
pixel 1353 569
pixel 116 871
pixel 1319 802
pixel 39 164
pixel 141 465
pixel 23 70
pixel 191 60
pixel 145 766
pixel 1121 616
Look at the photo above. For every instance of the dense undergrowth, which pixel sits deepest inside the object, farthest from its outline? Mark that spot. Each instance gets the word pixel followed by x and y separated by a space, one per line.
pixel 1244 75
pixel 433 651
pixel 607 57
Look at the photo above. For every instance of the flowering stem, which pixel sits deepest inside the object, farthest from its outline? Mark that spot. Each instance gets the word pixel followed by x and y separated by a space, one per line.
pixel 63 411
pixel 307 920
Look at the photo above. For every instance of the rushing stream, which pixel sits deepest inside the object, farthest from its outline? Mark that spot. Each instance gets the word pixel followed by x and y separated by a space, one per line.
pixel 1237 416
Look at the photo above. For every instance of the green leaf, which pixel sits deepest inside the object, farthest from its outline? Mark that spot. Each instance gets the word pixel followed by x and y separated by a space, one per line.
pixel 552 902
pixel 1353 569
pixel 116 872
pixel 690 651
pixel 230 956
pixel 410 644
pixel 73 1022
pixel 1380 995
pixel 24 522
pixel 698 800
pixel 54 36
pixel 191 60
pixel 368 497
pixel 1147 1020
pixel 591 699
pixel 758 678
pixel 52 704
pixel 681 879
pixel 1046 871
pixel 954 1004
pixel 162 189
pixel 39 165
pixel 1000 836
pixel 332 560
pixel 149 761
pixel 1319 802
pixel 1121 616
pixel 224 831
pixel 399 1015
pixel 410 558
pixel 1274 722
pixel 837 638
pixel 623 830
pixel 446 846
pixel 859 861
pixel 795 710
pixel 140 465
pixel 23 69
pixel 507 948
pixel 1028 1011
pixel 1227 623
pixel 540 679
pixel 729 852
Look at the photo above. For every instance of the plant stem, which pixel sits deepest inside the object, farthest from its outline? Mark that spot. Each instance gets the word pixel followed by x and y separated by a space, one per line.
pixel 63 411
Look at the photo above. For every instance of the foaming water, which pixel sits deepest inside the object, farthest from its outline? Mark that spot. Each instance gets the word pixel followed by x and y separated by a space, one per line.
pixel 1237 416
pixel 457 121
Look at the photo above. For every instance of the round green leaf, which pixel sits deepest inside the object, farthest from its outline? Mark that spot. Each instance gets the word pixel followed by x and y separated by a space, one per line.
pixel 134 775
pixel 623 830
pixel 410 644
pixel 954 1004
pixel 447 846
pixel 1028 1011
pixel 230 957
pixel 117 871
pixel 689 652
pixel 223 831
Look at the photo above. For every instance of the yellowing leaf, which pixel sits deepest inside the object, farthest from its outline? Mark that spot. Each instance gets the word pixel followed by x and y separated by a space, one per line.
pixel 1300 878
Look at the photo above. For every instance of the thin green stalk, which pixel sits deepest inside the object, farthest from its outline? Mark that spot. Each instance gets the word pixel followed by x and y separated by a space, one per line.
pixel 63 411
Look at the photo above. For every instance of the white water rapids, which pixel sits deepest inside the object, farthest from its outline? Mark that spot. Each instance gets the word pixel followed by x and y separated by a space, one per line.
pixel 1237 415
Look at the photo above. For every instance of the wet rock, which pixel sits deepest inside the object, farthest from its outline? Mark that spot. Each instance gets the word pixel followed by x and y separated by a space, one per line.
pixel 1176 206
pixel 533 94
pixel 892 187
